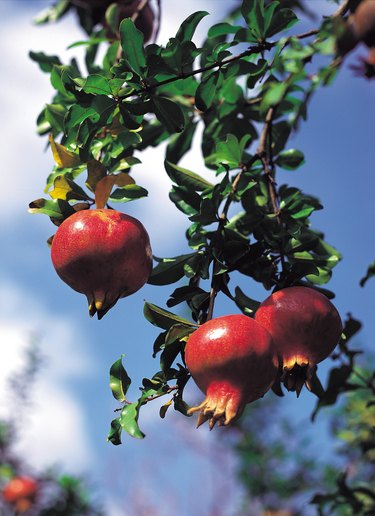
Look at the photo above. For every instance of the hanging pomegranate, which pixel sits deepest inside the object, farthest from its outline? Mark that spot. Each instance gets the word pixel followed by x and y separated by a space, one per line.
pixel 305 327
pixel 103 254
pixel 233 361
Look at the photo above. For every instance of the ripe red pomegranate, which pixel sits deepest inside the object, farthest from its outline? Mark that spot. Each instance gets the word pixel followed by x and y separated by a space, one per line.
pixel 20 492
pixel 305 327
pixel 233 361
pixel 103 254
pixel 363 22
pixel 145 19
pixel 126 8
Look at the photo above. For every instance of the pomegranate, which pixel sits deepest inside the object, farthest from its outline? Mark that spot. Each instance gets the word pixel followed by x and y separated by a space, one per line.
pixel 145 19
pixel 126 8
pixel 360 26
pixel 20 492
pixel 363 22
pixel 305 327
pixel 103 254
pixel 233 361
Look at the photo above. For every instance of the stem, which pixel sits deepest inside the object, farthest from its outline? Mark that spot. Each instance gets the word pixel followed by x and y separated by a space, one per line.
pixel 171 389
pixel 266 158
pixel 222 221
pixel 217 64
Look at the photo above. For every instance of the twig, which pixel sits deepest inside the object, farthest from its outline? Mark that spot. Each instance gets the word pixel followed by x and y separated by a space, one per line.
pixel 267 161
pixel 222 221
pixel 155 396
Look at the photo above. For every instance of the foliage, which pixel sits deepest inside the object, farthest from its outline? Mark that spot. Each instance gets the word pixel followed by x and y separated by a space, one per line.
pixel 247 88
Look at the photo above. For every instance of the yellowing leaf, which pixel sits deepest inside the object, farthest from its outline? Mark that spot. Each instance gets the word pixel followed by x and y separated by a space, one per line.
pixel 104 187
pixel 64 188
pixel 63 157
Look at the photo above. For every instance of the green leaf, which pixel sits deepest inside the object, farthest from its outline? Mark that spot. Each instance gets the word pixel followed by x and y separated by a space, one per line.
pixel 97 84
pixel 222 29
pixel 129 420
pixel 169 270
pixel 128 193
pixel 185 199
pixel 169 114
pixel 206 91
pixel 53 13
pixel 246 304
pixel 274 94
pixel 282 19
pixel 56 209
pixel 119 380
pixel 163 318
pixel 177 332
pixel 184 177
pixel 132 45
pixel 254 15
pixel 114 435
pixel 290 159
pixel 228 152
pixel 55 115
pixel 370 273
pixel 188 26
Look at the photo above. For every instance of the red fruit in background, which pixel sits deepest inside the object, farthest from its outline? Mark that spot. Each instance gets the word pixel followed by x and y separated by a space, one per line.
pixel 233 361
pixel 20 489
pixel 305 327
pixel 126 8
pixel 145 18
pixel 103 254
pixel 360 26
pixel 363 22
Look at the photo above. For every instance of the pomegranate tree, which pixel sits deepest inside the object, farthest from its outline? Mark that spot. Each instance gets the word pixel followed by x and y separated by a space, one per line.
pixel 233 361
pixel 103 254
pixel 305 327
pixel 20 492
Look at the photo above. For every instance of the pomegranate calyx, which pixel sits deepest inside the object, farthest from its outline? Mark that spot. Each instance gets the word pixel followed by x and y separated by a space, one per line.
pixel 217 410
pixel 296 376
pixel 99 303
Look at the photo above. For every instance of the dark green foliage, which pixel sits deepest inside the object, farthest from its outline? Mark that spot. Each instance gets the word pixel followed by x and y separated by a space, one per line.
pixel 142 96
pixel 246 90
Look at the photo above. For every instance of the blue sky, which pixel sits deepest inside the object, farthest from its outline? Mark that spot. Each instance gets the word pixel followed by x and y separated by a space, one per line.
pixel 175 465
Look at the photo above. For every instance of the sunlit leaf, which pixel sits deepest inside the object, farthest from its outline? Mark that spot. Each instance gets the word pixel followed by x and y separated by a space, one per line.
pixel 169 270
pixel 56 209
pixel 184 177
pixel 129 420
pixel 119 380
pixel 64 188
pixel 163 318
pixel 62 156
pixel 132 44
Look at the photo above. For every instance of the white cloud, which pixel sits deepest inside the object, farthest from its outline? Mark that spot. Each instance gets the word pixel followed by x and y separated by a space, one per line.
pixel 54 421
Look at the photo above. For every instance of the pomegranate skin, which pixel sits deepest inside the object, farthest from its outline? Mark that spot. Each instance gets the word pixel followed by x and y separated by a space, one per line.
pixel 360 26
pixel 20 488
pixel 363 22
pixel 305 327
pixel 103 254
pixel 233 361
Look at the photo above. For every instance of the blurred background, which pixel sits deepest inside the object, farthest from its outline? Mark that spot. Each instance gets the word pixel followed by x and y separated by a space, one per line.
pixel 175 468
